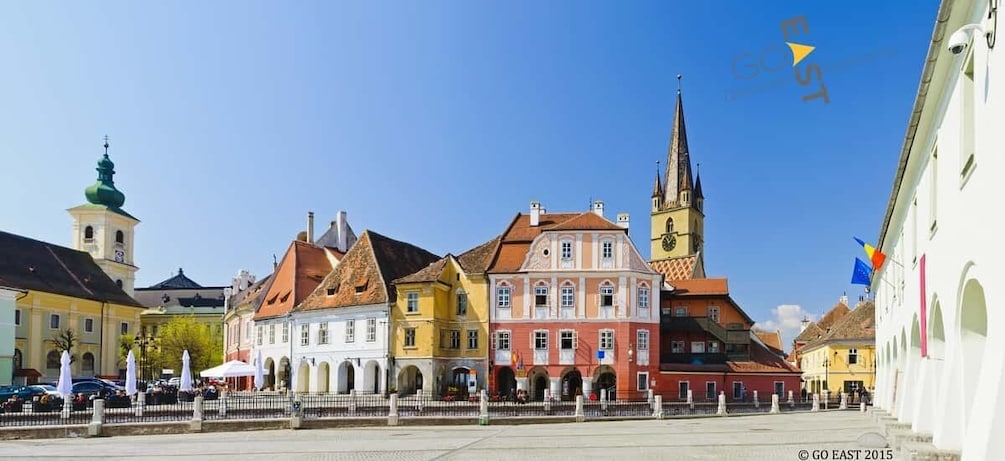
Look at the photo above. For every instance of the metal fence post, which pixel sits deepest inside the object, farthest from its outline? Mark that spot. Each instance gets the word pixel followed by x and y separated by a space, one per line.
pixel 483 408
pixel 392 411
pixel 774 404
pixel 580 413
pixel 722 404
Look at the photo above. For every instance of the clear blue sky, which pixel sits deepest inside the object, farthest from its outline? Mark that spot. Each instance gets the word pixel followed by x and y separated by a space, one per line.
pixel 435 122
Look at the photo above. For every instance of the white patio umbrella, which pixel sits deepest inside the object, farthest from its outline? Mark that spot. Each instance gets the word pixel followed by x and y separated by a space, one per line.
pixel 231 369
pixel 65 384
pixel 186 373
pixel 259 372
pixel 130 374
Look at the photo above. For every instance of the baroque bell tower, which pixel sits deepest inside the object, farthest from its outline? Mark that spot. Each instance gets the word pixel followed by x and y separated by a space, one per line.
pixel 102 228
pixel 678 220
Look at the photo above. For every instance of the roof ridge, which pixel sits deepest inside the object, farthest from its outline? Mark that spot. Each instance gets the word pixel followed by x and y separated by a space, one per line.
pixel 67 269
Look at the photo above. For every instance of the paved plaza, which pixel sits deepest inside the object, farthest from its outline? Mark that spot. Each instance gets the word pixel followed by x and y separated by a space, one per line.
pixel 763 437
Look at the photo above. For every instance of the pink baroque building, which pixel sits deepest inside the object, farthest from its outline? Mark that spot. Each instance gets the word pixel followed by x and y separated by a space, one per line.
pixel 574 308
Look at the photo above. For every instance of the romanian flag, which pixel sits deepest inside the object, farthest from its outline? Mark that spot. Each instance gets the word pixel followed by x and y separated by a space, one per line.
pixel 861 274
pixel 875 256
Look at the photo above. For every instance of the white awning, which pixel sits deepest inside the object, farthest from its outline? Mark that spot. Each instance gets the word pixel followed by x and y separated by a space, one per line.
pixel 231 369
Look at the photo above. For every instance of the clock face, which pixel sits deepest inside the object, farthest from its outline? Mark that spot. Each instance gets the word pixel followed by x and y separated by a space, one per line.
pixel 669 242
pixel 120 256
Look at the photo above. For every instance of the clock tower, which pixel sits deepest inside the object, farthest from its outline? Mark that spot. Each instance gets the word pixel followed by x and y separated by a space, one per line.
pixel 102 228
pixel 678 220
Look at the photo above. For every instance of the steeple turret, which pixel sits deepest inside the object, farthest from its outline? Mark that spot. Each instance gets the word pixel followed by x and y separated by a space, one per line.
pixel 104 192
pixel 679 181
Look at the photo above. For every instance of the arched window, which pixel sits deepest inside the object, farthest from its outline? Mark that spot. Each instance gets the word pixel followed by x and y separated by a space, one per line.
pixel 669 225
pixel 120 237
pixel 88 232
pixel 52 360
pixel 118 282
pixel 18 359
pixel 87 364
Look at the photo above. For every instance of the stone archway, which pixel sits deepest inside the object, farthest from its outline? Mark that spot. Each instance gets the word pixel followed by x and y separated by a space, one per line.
pixel 409 380
pixel 283 380
pixel 270 377
pixel 324 377
pixel 606 378
pixel 973 332
pixel 538 381
pixel 506 382
pixel 371 377
pixel 302 378
pixel 346 377
pixel 572 384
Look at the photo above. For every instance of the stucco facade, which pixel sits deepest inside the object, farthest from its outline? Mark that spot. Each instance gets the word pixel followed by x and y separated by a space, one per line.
pixel 940 341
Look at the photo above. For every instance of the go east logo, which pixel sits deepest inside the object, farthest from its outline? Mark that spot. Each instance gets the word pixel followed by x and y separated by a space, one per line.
pixel 774 58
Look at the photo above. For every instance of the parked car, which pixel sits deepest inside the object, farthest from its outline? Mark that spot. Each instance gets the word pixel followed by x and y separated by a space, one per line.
pixel 91 388
pixel 7 391
pixel 28 392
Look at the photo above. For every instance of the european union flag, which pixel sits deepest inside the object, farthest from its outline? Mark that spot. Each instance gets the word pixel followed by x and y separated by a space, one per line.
pixel 862 274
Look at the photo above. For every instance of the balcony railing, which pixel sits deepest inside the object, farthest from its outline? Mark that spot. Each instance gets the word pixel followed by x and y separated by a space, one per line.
pixel 693 359
pixel 673 324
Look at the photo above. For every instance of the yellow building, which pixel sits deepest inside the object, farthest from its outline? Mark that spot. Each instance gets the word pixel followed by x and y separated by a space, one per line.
pixel 441 324
pixel 180 296
pixel 842 358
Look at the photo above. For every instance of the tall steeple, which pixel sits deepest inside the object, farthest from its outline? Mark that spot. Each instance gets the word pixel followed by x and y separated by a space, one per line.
pixel 678 175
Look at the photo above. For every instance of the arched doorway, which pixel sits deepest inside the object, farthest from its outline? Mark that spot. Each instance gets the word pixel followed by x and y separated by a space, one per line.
pixel 409 380
pixel 324 377
pixel 303 377
pixel 572 384
pixel 270 378
pixel 371 377
pixel 87 364
pixel 506 382
pixel 538 380
pixel 606 378
pixel 284 373
pixel 346 377
pixel 973 337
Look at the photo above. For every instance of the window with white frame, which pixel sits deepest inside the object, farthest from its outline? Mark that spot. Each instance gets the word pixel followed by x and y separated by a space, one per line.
pixel 677 347
pixel 455 339
pixel 412 302
pixel 852 356
pixel 409 337
pixel 643 297
pixel 323 333
pixel 305 334
pixel 350 331
pixel 568 296
pixel 541 296
pixel 606 295
pixel 682 388
pixel 643 381
pixel 566 248
pixel 642 340
pixel 462 303
pixel 697 347
pixel 503 340
pixel 606 340
pixel 259 333
pixel 567 339
pixel 472 339
pixel 607 249
pixel 713 313
pixel 541 340
pixel 503 297
pixel 272 333
pixel 371 330
pixel 286 332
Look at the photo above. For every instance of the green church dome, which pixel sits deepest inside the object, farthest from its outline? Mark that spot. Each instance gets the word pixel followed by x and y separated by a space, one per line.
pixel 104 192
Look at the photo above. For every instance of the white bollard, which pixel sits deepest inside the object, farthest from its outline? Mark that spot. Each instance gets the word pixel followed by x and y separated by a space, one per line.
pixel 483 408
pixel 547 400
pixel 197 408
pixel 722 404
pixel 223 404
pixel 352 402
pixel 603 399
pixel 580 413
pixel 141 402
pixel 97 418
pixel 774 404
pixel 392 411
pixel 757 402
pixel 844 402
pixel 690 398
pixel 67 406
pixel 651 395
pixel 861 407
pixel 658 407
pixel 791 401
pixel 816 402
pixel 418 396
pixel 827 398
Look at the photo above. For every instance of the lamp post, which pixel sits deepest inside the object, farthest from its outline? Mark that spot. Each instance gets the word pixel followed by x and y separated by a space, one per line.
pixel 144 343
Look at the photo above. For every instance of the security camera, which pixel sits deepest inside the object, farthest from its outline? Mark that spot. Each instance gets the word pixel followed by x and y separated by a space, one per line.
pixel 960 40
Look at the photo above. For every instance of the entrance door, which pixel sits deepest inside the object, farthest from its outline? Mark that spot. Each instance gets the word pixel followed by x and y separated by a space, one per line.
pixel 540 384
pixel 682 388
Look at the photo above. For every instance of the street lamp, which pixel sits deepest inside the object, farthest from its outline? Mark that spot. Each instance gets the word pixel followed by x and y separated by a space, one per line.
pixel 144 343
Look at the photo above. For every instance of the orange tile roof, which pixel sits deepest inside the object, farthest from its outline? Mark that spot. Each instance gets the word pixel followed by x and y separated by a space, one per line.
pixel 587 221
pixel 520 229
pixel 478 259
pixel 303 267
pixel 762 360
pixel 515 241
pixel 430 273
pixel 716 286
pixel 859 325
pixel 365 274
pixel 676 269
pixel 772 339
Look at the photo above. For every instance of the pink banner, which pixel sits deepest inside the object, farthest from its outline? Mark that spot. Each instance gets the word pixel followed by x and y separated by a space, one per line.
pixel 924 311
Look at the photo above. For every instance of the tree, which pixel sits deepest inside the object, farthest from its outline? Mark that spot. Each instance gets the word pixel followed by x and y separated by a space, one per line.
pixel 186 333
pixel 66 340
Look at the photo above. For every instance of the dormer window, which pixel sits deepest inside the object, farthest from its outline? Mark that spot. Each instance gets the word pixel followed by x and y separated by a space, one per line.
pixel 88 233
pixel 362 287
pixel 331 291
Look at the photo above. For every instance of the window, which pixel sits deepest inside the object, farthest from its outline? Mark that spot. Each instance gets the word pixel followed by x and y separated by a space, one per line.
pixel 852 356
pixel 272 333
pixel 607 249
pixel 541 296
pixel 713 313
pixel 967 128
pixel 643 381
pixel 606 340
pixel 680 311
pixel 566 251
pixel 642 340
pixel 677 347
pixel 120 238
pixel 413 302
pixel 669 226
pixel 88 233
pixel 305 334
pixel 118 283
pixel 123 328
pixel 259 334
pixel 247 330
pixel 606 296
pixel 682 388
pixel 710 390
pixel 697 347
pixel 567 339
pixel 738 390
pixel 350 331
pixel 934 187
pixel 502 340
pixel 713 347
pixel 568 296
pixel 88 325
pixel 323 333
pixel 54 321
pixel 472 339
pixel 455 339
pixel 286 332
pixel 17 317
pixel 409 337
pixel 541 340
pixel 462 303
pixel 503 297
pixel 371 330
pixel 779 388
pixel 643 298
pixel 52 360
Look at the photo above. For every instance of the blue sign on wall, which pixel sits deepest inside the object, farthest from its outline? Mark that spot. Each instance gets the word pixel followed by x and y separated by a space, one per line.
pixel 600 355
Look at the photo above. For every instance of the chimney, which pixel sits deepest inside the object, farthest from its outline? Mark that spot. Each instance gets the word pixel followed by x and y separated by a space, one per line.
pixel 623 221
pixel 535 213
pixel 343 231
pixel 844 299
pixel 805 323
pixel 310 227
pixel 598 208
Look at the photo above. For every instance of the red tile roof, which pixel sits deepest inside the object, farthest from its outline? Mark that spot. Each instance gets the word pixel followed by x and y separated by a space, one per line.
pixel 303 267
pixel 676 269
pixel 772 339
pixel 515 241
pixel 762 360
pixel 587 221
pixel 716 286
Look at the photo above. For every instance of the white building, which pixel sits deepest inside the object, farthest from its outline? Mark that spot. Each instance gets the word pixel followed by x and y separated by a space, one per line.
pixel 341 329
pixel 941 347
